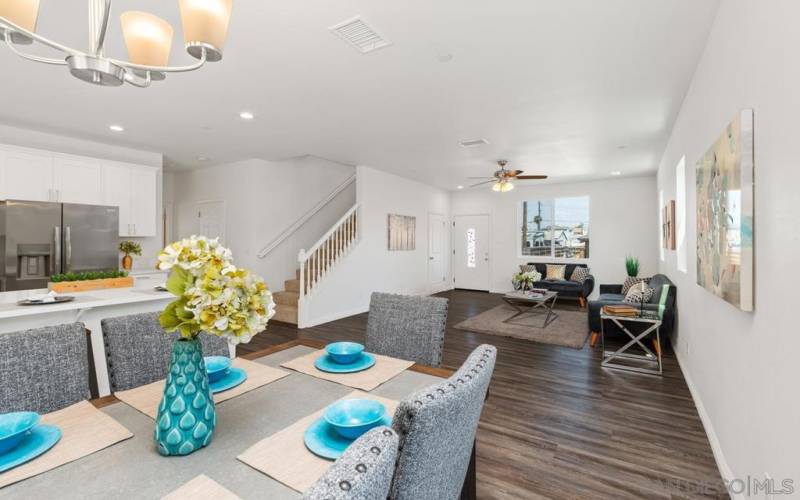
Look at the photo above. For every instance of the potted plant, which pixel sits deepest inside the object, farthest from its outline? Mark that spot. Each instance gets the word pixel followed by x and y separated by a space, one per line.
pixel 632 266
pixel 525 280
pixel 128 248
pixel 213 297
pixel 89 280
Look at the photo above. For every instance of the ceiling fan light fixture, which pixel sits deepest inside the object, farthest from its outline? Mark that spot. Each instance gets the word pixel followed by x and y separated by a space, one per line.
pixel 148 38
pixel 205 26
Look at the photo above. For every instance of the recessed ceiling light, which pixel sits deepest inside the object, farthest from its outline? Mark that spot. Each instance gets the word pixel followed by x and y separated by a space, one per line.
pixel 621 147
pixel 445 57
pixel 616 173
pixel 246 115
pixel 459 187
pixel 116 128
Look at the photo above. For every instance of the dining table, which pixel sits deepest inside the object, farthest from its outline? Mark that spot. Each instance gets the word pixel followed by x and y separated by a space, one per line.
pixel 133 468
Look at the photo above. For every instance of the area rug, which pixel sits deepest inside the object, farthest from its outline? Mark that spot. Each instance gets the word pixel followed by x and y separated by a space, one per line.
pixel 570 329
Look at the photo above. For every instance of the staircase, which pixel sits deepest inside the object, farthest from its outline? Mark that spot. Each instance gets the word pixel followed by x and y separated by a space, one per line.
pixel 314 265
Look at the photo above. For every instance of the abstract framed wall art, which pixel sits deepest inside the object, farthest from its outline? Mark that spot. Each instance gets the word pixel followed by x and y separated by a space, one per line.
pixel 402 232
pixel 724 182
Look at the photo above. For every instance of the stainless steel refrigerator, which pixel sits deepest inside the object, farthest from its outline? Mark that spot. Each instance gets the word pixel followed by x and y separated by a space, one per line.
pixel 40 239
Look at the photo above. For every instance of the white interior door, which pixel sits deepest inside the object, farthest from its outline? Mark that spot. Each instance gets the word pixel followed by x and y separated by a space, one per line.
pixel 437 246
pixel 471 252
pixel 211 219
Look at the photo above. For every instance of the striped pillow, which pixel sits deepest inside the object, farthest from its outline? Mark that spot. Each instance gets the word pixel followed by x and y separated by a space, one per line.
pixel 555 272
pixel 579 274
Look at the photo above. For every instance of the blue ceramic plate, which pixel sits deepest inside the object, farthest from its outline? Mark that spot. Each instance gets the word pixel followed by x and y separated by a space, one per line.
pixel 322 439
pixel 234 377
pixel 41 439
pixel 325 364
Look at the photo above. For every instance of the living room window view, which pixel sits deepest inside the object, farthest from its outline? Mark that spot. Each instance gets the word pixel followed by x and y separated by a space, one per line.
pixel 368 250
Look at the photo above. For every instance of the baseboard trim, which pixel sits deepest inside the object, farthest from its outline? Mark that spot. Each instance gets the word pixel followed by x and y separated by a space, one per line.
pixel 334 317
pixel 716 448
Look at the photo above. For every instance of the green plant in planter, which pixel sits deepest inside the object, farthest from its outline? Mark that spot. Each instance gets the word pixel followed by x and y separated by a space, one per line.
pixel 632 266
pixel 88 275
pixel 130 248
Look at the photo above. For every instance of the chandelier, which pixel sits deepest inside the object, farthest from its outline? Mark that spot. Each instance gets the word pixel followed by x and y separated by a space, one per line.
pixel 148 39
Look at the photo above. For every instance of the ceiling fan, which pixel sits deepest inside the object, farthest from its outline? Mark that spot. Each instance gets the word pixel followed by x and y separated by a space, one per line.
pixel 502 178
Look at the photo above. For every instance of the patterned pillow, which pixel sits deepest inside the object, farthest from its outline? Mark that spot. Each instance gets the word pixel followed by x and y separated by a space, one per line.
pixel 639 293
pixel 526 268
pixel 579 274
pixel 630 281
pixel 555 272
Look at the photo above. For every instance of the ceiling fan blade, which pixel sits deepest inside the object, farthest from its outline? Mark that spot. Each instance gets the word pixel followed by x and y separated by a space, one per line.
pixel 484 177
pixel 482 183
pixel 526 177
pixel 513 173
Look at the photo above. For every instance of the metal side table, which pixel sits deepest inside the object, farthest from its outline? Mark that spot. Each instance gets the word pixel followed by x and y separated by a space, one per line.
pixel 654 359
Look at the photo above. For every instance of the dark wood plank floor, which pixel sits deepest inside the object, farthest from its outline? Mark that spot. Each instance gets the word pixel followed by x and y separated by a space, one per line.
pixel 556 425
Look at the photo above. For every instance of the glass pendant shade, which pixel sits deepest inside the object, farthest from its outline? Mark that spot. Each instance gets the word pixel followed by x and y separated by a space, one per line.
pixel 205 25
pixel 23 13
pixel 507 186
pixel 148 38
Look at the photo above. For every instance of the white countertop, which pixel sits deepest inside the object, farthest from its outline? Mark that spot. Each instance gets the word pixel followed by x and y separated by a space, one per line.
pixel 83 300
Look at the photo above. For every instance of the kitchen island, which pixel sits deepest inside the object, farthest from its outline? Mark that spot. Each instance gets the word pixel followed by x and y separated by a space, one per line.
pixel 88 308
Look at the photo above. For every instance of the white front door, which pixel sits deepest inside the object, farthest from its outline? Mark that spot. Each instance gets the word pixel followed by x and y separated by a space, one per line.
pixel 437 246
pixel 471 252
pixel 211 219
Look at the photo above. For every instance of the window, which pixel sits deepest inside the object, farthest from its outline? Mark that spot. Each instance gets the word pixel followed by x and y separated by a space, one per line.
pixel 471 247
pixel 680 215
pixel 556 227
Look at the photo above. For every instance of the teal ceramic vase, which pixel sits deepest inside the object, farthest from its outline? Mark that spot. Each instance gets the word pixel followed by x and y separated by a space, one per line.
pixel 186 416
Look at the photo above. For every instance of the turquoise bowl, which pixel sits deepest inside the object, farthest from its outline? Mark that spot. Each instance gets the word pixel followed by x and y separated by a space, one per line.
pixel 353 417
pixel 344 353
pixel 14 427
pixel 217 367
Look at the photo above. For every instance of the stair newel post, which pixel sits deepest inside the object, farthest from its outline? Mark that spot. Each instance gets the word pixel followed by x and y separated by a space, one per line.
pixel 301 258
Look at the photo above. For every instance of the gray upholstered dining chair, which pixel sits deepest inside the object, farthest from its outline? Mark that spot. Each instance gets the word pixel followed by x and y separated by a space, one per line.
pixel 44 369
pixel 437 427
pixel 407 327
pixel 364 471
pixel 138 349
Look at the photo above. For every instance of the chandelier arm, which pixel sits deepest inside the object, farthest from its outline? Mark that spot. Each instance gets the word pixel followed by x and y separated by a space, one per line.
pixel 162 69
pixel 33 36
pixel 138 81
pixel 101 37
pixel 46 60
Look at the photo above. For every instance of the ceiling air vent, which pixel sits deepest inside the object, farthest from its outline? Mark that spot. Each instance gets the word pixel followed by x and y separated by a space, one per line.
pixel 360 35
pixel 474 142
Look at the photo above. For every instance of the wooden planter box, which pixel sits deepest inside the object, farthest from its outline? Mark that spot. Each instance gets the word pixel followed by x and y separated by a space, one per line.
pixel 87 285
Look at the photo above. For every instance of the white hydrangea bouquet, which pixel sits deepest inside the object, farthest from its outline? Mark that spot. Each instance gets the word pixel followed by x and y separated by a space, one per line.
pixel 213 295
pixel 525 280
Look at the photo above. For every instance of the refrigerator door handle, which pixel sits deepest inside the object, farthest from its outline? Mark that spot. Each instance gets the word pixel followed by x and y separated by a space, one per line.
pixel 55 264
pixel 67 249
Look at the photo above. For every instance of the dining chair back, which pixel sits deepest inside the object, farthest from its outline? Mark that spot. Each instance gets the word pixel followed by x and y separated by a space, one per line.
pixel 138 350
pixel 365 469
pixel 407 327
pixel 437 428
pixel 44 369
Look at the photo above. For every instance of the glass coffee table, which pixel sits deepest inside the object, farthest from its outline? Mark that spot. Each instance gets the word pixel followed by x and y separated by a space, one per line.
pixel 532 303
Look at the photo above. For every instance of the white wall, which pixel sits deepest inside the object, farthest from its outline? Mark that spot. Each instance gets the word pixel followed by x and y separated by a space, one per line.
pixel 262 199
pixel 623 221
pixel 65 144
pixel 370 266
pixel 742 367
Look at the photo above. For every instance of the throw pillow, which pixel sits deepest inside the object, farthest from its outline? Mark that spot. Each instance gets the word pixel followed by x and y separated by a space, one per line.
pixel 579 274
pixel 630 281
pixel 555 272
pixel 526 268
pixel 639 293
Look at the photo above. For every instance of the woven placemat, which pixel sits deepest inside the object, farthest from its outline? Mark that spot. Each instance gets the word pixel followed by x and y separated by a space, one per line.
pixel 385 369
pixel 284 457
pixel 201 488
pixel 84 430
pixel 147 397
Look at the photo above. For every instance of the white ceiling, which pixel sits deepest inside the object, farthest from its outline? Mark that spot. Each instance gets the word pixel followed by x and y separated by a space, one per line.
pixel 568 88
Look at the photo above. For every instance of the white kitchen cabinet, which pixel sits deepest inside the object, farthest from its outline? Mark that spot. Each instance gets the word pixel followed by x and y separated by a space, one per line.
pixel 27 176
pixel 134 190
pixel 78 180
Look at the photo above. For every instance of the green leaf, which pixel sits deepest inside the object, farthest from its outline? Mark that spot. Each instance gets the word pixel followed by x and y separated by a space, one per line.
pixel 179 280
